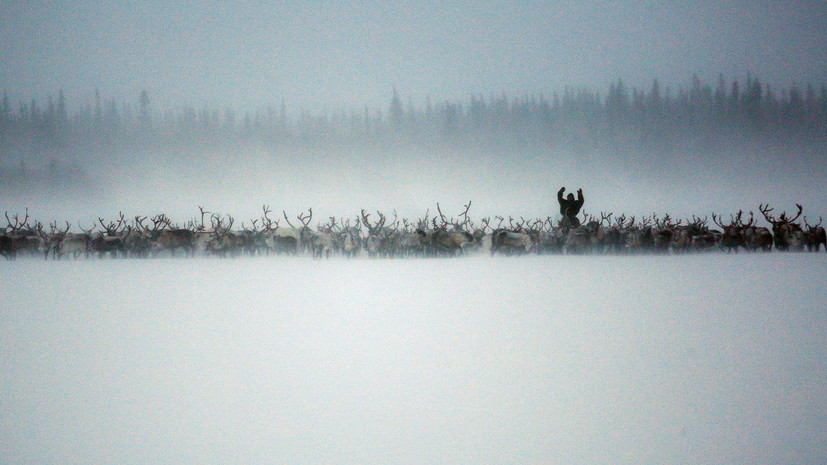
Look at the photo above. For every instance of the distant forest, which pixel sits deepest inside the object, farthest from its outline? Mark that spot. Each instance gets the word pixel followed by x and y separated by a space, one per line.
pixel 698 116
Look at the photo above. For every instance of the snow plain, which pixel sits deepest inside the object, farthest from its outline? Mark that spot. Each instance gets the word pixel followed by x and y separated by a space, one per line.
pixel 573 360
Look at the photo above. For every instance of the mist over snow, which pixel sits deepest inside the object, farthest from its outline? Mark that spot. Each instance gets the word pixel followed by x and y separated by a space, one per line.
pixel 412 180
pixel 564 359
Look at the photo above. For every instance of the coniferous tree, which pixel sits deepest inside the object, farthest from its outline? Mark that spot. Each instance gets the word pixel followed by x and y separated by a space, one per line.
pixel 822 106
pixel 794 105
pixel 49 118
pixel 655 101
pixel 98 108
pixel 34 114
pixel 810 101
pixel 617 101
pixel 111 116
pixel 734 99
pixel 752 99
pixel 720 96
pixel 5 110
pixel 143 110
pixel 657 117
pixel 61 108
pixel 395 111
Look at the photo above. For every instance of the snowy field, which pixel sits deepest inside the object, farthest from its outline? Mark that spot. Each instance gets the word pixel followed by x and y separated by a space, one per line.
pixel 704 359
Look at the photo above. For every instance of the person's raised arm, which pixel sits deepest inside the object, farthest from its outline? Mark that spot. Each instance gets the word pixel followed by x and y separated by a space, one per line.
pixel 579 202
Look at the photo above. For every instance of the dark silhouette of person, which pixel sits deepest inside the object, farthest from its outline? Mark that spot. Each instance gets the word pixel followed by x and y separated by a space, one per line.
pixel 569 207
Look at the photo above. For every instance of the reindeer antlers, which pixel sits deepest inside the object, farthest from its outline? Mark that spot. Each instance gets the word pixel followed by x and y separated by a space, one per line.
pixel 446 222
pixel 377 225
pixel 765 209
pixel 17 223
pixel 113 228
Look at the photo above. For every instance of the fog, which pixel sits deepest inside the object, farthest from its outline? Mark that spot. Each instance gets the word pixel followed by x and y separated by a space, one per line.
pixel 104 107
pixel 163 107
pixel 326 56
pixel 412 180
pixel 667 359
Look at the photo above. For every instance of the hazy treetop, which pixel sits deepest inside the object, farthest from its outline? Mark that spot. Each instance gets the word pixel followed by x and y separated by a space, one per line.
pixel 329 55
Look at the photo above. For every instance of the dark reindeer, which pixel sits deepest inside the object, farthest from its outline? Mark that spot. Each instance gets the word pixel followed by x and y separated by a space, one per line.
pixel 110 240
pixel 786 234
pixel 732 235
pixel 166 237
pixel 18 237
pixel 815 236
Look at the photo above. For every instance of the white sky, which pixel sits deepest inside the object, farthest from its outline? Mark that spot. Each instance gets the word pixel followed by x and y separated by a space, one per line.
pixel 331 55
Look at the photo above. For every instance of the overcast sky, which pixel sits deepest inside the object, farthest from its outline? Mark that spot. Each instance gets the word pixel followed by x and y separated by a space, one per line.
pixel 331 55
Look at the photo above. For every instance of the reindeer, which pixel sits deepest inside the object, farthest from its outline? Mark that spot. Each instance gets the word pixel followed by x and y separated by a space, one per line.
pixel 786 233
pixel 166 237
pixel 639 237
pixel 75 244
pixel 613 238
pixel 578 239
pixel 445 241
pixel 692 236
pixel 18 237
pixel 417 239
pixel 322 242
pixel 277 239
pixel 202 235
pixel 137 238
pixel 223 241
pixel 663 233
pixel 250 240
pixel 585 237
pixel 50 242
pixel 349 238
pixel 542 241
pixel 756 237
pixel 110 240
pixel 700 237
pixel 732 235
pixel 410 240
pixel 814 236
pixel 511 240
pixel 599 235
pixel 282 239
pixel 379 242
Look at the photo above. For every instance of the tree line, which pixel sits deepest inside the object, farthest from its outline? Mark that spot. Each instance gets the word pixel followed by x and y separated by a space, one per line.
pixel 657 118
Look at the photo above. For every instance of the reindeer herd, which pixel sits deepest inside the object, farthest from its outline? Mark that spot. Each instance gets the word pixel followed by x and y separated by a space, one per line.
pixel 390 237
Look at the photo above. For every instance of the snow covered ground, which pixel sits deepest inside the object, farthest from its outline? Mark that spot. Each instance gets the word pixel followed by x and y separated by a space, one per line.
pixel 571 360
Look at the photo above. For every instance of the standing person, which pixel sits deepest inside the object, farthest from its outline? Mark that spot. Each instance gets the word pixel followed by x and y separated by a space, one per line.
pixel 569 207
